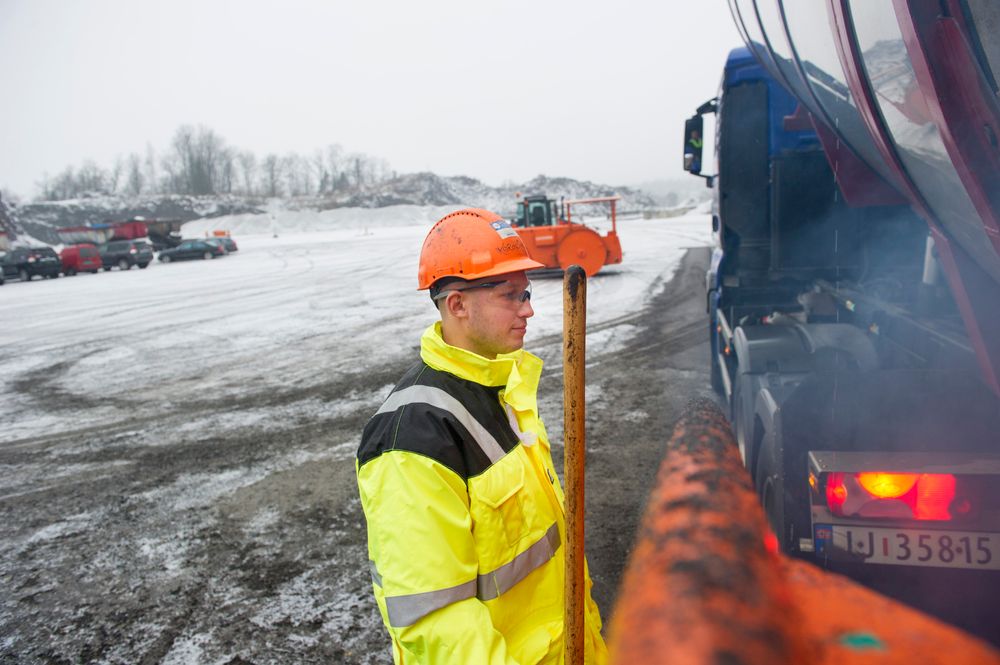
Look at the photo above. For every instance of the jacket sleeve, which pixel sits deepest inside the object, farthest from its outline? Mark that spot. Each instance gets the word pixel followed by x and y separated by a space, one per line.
pixel 425 563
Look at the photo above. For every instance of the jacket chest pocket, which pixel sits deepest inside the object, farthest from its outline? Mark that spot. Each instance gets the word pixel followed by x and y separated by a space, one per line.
pixel 498 505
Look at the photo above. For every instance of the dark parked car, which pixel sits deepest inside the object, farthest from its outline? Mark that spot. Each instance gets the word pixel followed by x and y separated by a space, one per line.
pixel 80 258
pixel 23 263
pixel 125 254
pixel 192 249
pixel 227 244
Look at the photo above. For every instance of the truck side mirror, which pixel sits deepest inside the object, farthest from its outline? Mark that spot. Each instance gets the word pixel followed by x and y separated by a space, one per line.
pixel 693 143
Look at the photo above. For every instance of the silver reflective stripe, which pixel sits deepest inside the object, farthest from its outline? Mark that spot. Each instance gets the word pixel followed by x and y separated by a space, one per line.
pixel 376 578
pixel 491 585
pixel 442 400
pixel 407 610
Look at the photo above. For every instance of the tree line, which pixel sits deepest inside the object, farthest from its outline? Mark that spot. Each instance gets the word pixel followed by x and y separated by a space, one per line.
pixel 199 162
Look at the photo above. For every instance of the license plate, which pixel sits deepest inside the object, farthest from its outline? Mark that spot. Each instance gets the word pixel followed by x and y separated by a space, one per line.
pixel 911 547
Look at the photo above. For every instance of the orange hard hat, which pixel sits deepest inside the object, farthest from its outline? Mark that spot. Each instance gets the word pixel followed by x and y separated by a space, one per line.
pixel 471 244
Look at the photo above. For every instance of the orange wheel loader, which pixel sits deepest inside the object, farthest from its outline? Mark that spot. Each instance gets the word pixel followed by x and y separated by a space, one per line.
pixel 554 239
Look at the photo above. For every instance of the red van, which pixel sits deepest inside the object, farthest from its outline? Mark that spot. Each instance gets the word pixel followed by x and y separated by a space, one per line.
pixel 80 258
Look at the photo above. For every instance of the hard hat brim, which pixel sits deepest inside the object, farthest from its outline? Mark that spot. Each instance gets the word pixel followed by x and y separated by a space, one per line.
pixel 471 244
pixel 516 265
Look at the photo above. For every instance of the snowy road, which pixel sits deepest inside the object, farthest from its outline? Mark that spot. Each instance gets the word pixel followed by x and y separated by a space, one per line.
pixel 176 443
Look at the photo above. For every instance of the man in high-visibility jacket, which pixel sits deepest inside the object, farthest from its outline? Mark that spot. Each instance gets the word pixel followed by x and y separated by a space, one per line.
pixel 692 151
pixel 465 517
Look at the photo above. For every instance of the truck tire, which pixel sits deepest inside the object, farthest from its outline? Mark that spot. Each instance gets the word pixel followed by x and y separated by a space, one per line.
pixel 164 258
pixel 763 482
pixel 208 255
pixel 123 264
pixel 717 385
pixel 714 337
pixel 24 276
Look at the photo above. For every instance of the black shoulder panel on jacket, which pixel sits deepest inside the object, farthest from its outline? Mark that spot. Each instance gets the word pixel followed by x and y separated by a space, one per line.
pixel 436 430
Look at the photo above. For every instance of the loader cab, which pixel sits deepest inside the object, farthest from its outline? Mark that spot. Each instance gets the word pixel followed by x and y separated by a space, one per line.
pixel 536 211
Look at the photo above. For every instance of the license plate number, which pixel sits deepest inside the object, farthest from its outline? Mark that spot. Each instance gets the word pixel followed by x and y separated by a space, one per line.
pixel 912 547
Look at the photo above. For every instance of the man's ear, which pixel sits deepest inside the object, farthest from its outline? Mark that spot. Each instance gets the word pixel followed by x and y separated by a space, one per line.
pixel 456 305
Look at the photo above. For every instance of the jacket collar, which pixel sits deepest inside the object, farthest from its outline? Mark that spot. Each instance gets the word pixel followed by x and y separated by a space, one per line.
pixel 517 372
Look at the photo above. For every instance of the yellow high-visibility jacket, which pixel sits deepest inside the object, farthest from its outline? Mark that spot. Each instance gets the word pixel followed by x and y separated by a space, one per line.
pixel 465 517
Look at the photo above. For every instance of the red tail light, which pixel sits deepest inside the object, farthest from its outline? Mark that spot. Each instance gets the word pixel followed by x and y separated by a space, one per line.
pixel 924 496
pixel 836 493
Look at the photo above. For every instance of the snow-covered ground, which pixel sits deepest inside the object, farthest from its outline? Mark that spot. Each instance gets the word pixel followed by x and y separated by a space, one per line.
pixel 176 443
pixel 282 312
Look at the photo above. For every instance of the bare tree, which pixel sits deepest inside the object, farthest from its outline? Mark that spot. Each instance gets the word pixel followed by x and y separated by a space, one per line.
pixel 333 166
pixel 150 172
pixel 357 168
pixel 272 172
pixel 227 169
pixel 200 163
pixel 91 179
pixel 323 180
pixel 198 159
pixel 248 168
pixel 298 175
pixel 115 175
pixel 133 175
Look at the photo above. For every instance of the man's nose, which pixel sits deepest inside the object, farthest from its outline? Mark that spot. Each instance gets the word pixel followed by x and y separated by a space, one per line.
pixel 526 310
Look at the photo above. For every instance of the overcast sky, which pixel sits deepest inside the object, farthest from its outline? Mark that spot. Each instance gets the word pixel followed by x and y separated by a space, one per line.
pixel 493 90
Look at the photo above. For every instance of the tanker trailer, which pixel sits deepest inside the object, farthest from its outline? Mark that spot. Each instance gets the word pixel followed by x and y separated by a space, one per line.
pixel 854 291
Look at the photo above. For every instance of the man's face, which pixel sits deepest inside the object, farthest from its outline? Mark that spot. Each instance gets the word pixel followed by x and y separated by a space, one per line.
pixel 498 316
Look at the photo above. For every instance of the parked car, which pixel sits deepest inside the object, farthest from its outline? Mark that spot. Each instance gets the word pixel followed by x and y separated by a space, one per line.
pixel 218 242
pixel 24 263
pixel 125 254
pixel 80 258
pixel 228 243
pixel 192 249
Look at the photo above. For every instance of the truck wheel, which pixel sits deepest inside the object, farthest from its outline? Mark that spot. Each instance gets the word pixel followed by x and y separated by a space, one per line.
pixel 765 490
pixel 207 255
pixel 164 258
pixel 123 264
pixel 23 275
pixel 715 338
pixel 717 385
pixel 767 502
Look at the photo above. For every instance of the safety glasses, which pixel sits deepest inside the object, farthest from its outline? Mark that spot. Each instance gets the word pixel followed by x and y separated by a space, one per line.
pixel 514 297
